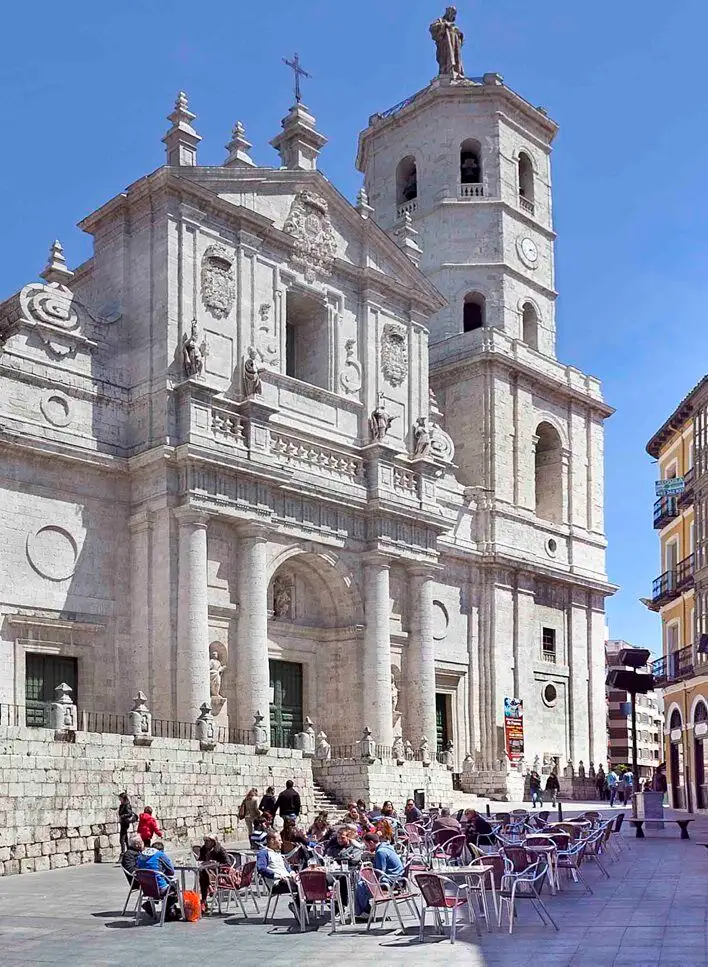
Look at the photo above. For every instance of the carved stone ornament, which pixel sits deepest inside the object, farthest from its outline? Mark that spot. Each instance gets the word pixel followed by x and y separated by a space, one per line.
pixel 218 284
pixel 394 353
pixel 441 444
pixel 350 376
pixel 315 242
pixel 51 309
pixel 282 598
pixel 380 421
pixel 192 354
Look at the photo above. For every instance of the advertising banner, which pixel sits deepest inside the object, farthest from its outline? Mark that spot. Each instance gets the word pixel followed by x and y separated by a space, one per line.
pixel 514 728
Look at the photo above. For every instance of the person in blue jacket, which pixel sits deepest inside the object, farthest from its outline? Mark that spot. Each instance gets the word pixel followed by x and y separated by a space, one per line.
pixel 386 861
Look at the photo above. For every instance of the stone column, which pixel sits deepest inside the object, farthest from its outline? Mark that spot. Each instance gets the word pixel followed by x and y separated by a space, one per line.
pixel 376 692
pixel 139 665
pixel 252 637
pixel 192 615
pixel 420 675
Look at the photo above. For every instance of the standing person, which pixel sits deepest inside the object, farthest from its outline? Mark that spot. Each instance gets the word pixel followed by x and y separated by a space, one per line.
pixel 612 783
pixel 126 816
pixel 622 789
pixel 288 802
pixel 267 803
pixel 660 783
pixel 601 782
pixel 248 810
pixel 628 786
pixel 553 787
pixel 147 826
pixel 535 787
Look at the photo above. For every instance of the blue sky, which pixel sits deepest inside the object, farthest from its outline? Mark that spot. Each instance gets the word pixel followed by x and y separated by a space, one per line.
pixel 86 87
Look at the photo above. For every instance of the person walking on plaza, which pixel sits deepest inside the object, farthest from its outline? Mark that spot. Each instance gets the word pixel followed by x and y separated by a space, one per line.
pixel 553 787
pixel 126 816
pixel 612 782
pixel 628 787
pixel 288 802
pixel 535 787
pixel 248 810
pixel 601 783
pixel 147 826
pixel 267 803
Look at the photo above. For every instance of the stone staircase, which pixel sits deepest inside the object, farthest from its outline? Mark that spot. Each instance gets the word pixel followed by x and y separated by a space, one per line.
pixel 324 801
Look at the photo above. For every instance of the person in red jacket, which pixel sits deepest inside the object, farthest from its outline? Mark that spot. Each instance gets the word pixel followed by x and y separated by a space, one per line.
pixel 147 826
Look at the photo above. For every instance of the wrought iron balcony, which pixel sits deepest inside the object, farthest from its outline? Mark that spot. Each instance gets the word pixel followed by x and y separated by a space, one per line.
pixel 685 499
pixel 676 667
pixel 665 509
pixel 684 573
pixel 664 588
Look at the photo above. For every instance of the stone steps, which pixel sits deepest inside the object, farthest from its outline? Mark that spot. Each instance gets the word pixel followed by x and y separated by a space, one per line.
pixel 324 801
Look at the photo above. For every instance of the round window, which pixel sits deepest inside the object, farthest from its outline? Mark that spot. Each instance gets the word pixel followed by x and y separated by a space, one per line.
pixel 550 694
pixel 551 546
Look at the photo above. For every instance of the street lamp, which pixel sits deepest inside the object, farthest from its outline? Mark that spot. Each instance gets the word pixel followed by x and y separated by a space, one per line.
pixel 636 683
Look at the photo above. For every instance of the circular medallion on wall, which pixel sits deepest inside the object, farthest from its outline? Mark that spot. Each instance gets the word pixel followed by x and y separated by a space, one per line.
pixel 56 409
pixel 53 553
pixel 549 694
pixel 551 546
pixel 441 620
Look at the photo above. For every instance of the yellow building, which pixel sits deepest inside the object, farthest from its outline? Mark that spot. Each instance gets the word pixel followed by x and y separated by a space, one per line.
pixel 679 595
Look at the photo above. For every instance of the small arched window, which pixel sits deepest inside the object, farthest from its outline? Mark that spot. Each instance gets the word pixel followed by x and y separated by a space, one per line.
pixel 406 180
pixel 701 713
pixel 548 467
pixel 470 163
pixel 526 187
pixel 529 325
pixel 473 315
pixel 675 721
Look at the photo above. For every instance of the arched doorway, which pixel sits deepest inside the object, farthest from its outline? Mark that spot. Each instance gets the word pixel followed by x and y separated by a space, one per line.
pixel 700 753
pixel 676 760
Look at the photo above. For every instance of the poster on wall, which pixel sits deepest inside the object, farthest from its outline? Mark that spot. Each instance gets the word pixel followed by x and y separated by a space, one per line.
pixel 514 728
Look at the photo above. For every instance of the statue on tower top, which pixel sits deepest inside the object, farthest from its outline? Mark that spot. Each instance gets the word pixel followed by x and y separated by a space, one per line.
pixel 448 42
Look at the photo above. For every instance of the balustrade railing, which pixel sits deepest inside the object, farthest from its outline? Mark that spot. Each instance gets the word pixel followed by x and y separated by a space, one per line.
pixel 309 456
pixel 407 207
pixel 12 714
pixel 526 205
pixel 472 191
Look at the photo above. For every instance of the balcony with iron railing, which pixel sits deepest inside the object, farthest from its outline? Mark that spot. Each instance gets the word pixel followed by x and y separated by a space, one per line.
pixel 675 667
pixel 665 510
pixel 685 498
pixel 684 573
pixel 672 583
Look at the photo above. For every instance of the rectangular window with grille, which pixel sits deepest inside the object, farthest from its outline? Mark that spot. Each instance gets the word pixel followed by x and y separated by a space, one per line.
pixel 548 644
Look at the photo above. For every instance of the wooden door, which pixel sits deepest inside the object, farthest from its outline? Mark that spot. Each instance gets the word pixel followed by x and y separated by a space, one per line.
pixel 42 675
pixel 286 708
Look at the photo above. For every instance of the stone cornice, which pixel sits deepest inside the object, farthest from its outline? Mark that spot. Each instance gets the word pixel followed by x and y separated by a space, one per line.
pixel 44 447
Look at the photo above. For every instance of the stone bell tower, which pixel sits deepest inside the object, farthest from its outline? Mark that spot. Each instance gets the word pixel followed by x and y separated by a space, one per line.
pixel 464 167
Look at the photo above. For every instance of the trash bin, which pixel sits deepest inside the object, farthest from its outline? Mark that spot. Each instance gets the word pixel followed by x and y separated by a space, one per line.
pixel 419 798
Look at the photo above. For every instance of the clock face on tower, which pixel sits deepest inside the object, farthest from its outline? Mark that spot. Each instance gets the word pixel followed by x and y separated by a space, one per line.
pixel 528 251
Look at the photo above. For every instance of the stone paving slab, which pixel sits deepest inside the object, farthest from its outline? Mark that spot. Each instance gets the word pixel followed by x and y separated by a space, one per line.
pixel 652 912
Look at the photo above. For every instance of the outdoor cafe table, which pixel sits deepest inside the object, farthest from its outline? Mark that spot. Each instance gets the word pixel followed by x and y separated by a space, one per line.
pixel 182 872
pixel 476 871
pixel 351 875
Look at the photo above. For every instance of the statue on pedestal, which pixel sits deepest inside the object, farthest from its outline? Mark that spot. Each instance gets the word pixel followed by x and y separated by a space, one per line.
pixel 421 437
pixel 252 385
pixel 448 44
pixel 380 421
pixel 191 353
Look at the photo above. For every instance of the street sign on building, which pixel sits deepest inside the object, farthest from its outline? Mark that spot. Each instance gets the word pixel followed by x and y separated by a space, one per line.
pixel 670 487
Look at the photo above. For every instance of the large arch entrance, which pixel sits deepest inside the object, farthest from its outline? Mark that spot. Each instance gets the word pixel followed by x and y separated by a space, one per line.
pixel 314 621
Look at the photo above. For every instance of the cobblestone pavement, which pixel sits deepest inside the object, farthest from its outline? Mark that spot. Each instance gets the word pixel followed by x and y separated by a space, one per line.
pixel 653 912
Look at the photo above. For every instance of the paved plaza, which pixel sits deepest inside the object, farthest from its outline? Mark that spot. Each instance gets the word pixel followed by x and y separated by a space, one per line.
pixel 652 911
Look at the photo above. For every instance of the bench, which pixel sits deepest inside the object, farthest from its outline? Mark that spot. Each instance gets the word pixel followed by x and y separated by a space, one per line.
pixel 681 823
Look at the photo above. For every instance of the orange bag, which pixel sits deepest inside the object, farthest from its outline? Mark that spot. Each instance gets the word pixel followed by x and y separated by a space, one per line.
pixel 192 906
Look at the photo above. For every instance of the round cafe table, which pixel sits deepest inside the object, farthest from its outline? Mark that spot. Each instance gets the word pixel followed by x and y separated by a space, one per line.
pixel 551 855
pixel 474 876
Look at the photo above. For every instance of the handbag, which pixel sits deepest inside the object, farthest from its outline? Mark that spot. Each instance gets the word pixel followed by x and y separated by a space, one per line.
pixel 192 906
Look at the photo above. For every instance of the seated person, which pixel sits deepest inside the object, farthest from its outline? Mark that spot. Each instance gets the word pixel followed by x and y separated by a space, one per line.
pixel 272 865
pixel 257 838
pixel 344 845
pixel 292 837
pixel 385 830
pixel 319 829
pixel 154 858
pixel 211 851
pixel 445 827
pixel 386 861
pixel 358 818
pixel 413 814
pixel 477 830
pixel 129 858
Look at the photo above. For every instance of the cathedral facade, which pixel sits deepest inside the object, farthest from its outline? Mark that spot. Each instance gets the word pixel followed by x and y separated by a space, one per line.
pixel 282 454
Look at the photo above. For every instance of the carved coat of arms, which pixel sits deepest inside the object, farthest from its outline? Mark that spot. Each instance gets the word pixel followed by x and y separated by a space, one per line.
pixel 218 283
pixel 309 224
pixel 394 353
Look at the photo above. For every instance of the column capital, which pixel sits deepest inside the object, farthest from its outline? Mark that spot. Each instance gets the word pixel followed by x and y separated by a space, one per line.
pixel 186 515
pixel 142 521
pixel 421 569
pixel 376 559
pixel 253 530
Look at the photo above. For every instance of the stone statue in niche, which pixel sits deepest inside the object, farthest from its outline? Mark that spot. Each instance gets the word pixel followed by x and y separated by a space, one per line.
pixel 216 670
pixel 394 353
pixel 218 285
pixel 408 750
pixel 252 385
pixel 422 440
pixel 380 421
pixel 448 44
pixel 282 599
pixel 398 750
pixel 192 356
pixel 394 696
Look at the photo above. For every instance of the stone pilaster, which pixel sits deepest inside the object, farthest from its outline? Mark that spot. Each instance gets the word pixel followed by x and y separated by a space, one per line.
pixel 192 615
pixel 139 658
pixel 252 636
pixel 377 707
pixel 420 664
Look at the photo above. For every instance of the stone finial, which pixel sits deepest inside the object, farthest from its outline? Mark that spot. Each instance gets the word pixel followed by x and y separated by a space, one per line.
pixel 238 148
pixel 305 740
pixel 141 721
pixel 56 270
pixel 367 745
pixel 469 765
pixel 181 140
pixel 362 204
pixel 63 716
pixel 581 770
pixel 324 749
pixel 206 730
pixel 259 733
pixel 424 751
pixel 404 235
pixel 299 143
